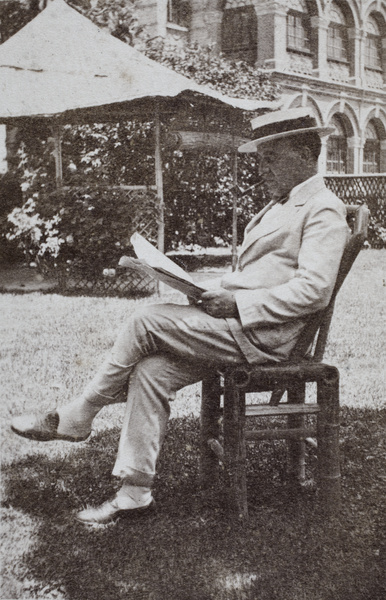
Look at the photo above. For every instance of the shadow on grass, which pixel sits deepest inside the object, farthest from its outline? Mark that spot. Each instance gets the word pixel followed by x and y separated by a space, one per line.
pixel 187 550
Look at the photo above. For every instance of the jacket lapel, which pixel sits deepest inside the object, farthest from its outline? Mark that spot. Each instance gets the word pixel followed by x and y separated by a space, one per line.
pixel 257 229
pixel 269 225
pixel 254 221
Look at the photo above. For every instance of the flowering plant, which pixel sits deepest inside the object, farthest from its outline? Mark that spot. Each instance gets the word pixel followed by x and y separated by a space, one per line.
pixel 89 232
pixel 38 237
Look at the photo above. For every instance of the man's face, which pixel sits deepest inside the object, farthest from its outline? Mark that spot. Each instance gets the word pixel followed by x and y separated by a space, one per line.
pixel 281 167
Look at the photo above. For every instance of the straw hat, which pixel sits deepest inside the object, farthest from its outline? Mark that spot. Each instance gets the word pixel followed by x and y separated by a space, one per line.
pixel 281 124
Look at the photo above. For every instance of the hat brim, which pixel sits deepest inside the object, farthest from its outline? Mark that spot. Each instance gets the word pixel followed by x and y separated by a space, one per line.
pixel 253 144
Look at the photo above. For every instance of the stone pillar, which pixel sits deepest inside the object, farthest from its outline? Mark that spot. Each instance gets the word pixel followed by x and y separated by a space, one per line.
pixel 356 54
pixel 205 26
pixel 382 160
pixel 319 29
pixel 353 151
pixel 361 149
pixel 152 15
pixel 305 90
pixel 271 37
pixel 322 164
pixel 383 58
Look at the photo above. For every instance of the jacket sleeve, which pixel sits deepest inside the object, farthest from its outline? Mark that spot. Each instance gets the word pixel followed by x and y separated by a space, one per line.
pixel 323 241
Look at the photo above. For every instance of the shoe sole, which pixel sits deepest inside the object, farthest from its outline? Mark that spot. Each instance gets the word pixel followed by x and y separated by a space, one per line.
pixel 132 513
pixel 49 437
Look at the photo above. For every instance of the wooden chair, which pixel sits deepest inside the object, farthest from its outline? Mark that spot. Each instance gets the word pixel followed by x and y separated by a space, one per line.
pixel 304 366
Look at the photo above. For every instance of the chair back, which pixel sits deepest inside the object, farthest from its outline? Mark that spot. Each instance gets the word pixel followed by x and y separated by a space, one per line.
pixel 316 331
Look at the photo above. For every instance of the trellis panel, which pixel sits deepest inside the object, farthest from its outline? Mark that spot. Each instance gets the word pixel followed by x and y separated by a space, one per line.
pixel 142 206
pixel 364 189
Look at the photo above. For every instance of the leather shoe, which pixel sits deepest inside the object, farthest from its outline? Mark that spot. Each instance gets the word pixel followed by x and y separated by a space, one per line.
pixel 42 428
pixel 109 511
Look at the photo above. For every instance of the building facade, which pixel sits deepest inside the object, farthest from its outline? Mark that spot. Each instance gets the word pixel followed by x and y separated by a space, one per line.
pixel 329 55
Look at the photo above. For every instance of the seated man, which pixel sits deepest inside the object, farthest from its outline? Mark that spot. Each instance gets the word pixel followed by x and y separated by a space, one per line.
pixel 287 269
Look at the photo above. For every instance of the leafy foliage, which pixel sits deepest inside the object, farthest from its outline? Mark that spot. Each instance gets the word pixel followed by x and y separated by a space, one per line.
pixel 198 187
pixel 15 15
pixel 377 224
pixel 230 77
pixel 199 199
pixel 118 16
pixel 90 231
pixel 198 194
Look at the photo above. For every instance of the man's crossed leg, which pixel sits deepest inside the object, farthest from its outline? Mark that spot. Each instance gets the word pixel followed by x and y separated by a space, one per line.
pixel 162 349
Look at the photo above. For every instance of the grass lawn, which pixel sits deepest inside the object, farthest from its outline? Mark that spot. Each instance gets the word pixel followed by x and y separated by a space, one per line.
pixel 186 550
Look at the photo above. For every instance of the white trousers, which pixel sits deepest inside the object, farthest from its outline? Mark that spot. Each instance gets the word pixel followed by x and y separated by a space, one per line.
pixel 161 349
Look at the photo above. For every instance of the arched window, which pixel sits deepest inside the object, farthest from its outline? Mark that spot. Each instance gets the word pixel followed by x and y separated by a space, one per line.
pixel 239 33
pixel 373 48
pixel 178 12
pixel 337 40
pixel 337 148
pixel 372 150
pixel 299 29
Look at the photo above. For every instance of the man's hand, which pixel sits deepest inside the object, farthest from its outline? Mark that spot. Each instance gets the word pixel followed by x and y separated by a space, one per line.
pixel 219 303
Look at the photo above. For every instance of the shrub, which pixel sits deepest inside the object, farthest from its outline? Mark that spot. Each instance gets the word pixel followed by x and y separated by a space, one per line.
pixel 86 230
pixel 235 78
pixel 377 224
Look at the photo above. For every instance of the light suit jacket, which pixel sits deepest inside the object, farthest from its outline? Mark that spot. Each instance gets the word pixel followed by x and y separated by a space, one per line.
pixel 287 269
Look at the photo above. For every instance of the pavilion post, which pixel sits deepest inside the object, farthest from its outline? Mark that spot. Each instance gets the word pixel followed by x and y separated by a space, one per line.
pixel 159 181
pixel 234 209
pixel 57 136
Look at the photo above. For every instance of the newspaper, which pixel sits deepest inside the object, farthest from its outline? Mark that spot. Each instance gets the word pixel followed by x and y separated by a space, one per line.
pixel 155 264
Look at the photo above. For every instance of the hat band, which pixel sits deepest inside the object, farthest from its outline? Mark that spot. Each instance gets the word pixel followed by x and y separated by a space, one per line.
pixel 284 126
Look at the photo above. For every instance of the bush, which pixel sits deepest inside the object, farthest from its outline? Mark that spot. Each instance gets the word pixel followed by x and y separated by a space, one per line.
pixel 198 193
pixel 80 229
pixel 199 199
pixel 377 224
pixel 235 78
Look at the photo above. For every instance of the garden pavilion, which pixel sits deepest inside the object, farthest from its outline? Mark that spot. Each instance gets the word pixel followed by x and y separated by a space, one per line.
pixel 64 68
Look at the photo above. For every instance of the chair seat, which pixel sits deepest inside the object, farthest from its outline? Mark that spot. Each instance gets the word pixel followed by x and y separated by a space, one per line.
pixel 267 377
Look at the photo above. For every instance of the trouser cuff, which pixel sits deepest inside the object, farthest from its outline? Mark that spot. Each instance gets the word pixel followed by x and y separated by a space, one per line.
pixel 133 477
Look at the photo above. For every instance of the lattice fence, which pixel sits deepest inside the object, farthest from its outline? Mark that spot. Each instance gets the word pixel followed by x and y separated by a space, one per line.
pixel 124 283
pixel 358 188
pixel 140 213
pixel 364 189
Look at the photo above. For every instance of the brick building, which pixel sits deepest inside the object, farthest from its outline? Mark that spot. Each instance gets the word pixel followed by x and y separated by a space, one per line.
pixel 326 54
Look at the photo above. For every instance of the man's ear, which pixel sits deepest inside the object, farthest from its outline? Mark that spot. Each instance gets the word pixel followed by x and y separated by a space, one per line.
pixel 304 153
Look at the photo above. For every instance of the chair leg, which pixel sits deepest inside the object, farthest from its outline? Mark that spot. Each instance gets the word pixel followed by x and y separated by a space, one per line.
pixel 296 448
pixel 235 448
pixel 209 429
pixel 328 440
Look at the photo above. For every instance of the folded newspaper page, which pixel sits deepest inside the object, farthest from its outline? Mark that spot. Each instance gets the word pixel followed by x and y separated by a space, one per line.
pixel 157 265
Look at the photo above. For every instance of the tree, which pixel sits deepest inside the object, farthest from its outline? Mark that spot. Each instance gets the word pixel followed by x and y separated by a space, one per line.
pixel 118 16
